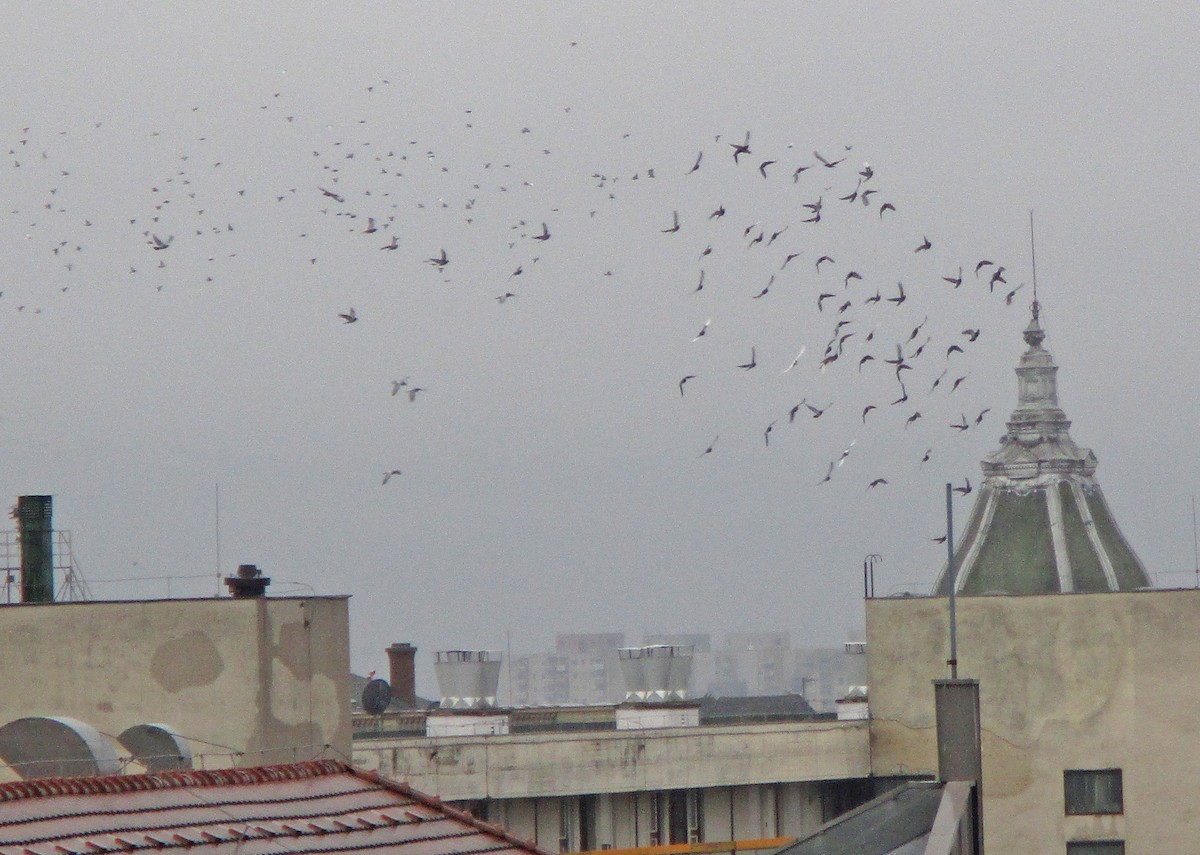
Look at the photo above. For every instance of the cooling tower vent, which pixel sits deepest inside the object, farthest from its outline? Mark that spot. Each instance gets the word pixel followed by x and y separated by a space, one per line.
pixel 657 672
pixel 468 679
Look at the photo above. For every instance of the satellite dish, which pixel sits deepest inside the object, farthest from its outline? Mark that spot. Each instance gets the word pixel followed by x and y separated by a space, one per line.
pixel 376 696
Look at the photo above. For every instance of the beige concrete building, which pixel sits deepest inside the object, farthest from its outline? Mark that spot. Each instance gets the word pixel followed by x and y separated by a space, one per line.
pixel 248 681
pixel 1089 711
pixel 590 789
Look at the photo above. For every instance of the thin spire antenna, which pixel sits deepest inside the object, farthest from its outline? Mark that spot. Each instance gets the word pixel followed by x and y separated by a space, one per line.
pixel 1033 259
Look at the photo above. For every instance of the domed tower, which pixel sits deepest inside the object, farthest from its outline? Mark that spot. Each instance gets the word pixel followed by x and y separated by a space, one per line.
pixel 1040 523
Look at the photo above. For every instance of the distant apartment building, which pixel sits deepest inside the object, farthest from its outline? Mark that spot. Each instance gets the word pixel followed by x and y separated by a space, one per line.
pixel 583 668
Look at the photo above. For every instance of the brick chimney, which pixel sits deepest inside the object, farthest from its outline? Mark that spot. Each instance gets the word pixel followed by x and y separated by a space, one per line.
pixel 402 661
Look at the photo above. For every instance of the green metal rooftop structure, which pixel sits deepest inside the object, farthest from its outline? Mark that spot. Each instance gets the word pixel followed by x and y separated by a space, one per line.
pixel 1040 523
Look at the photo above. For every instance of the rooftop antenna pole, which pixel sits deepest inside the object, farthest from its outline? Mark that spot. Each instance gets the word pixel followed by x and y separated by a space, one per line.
pixel 1033 259
pixel 953 660
pixel 217 528
pixel 1195 543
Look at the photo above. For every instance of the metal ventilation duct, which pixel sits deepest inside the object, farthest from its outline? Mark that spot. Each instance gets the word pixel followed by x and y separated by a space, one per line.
pixel 656 672
pixel 468 679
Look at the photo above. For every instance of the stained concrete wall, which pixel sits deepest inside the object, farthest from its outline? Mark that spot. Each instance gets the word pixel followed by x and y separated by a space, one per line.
pixel 1067 681
pixel 563 764
pixel 265 678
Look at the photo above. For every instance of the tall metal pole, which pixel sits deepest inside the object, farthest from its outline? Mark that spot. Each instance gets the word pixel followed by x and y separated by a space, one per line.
pixel 953 660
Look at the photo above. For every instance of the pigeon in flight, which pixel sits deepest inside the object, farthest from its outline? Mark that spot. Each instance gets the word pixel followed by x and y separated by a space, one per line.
pixel 545 235
pixel 925 244
pixel 964 490
pixel 711 446
pixel 684 380
pixel 674 228
pixel 703 330
pixel 794 361
pixel 746 366
pixel 159 243
pixel 439 261
pixel 387 476
pixel 349 317
pixel 695 165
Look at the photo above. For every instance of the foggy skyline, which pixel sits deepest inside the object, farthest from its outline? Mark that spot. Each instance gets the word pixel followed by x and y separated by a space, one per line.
pixel 553 475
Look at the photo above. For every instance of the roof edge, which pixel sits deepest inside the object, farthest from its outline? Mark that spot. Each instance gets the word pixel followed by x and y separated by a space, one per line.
pixel 110 784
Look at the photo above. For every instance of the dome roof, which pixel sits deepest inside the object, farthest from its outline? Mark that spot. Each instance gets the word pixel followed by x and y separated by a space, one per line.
pixel 1040 523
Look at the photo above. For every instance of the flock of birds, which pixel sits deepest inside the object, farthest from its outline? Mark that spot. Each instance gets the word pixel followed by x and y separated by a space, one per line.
pixel 875 353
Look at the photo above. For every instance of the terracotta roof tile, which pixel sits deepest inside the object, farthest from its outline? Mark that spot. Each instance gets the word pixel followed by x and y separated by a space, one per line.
pixel 302 808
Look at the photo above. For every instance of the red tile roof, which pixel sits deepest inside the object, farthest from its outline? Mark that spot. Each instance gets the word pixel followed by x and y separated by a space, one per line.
pixel 322 806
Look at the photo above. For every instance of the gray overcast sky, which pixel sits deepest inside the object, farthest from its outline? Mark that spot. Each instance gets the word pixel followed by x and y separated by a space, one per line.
pixel 552 477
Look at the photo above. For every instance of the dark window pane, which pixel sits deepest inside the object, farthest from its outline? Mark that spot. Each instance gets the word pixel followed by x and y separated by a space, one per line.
pixel 1087 792
pixel 1096 847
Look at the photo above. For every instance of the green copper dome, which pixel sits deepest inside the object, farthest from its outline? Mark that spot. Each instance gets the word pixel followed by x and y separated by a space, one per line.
pixel 1040 523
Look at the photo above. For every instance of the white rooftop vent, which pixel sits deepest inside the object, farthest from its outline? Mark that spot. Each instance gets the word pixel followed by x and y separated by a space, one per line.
pixel 468 679
pixel 656 672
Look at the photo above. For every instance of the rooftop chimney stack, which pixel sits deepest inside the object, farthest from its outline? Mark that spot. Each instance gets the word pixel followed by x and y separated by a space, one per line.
pixel 37 548
pixel 249 582
pixel 402 662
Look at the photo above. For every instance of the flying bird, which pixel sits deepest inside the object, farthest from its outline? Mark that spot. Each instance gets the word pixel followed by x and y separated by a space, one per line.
pixel 700 284
pixel 504 298
pixel 900 298
pixel 925 244
pixel 982 413
pixel 878 482
pixel 828 164
pixel 675 227
pixel 853 274
pixel 762 167
pixel 912 418
pixel 711 446
pixel 998 276
pixel 349 317
pixel 695 165
pixel 746 366
pixel 684 380
pixel 964 490
pixel 545 235
pixel 741 148
pixel 767 434
pixel 971 335
pixel 982 264
pixel 412 393
pixel 395 244
pixel 439 261
pixel 387 476
pixel 720 212
pixel 397 385
pixel 866 410
pixel 886 206
pixel 334 196
pixel 824 258
pixel 157 242
pixel 703 330
pixel 955 281
pixel 828 475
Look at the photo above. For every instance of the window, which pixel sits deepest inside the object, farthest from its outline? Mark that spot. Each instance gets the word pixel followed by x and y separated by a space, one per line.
pixel 1096 847
pixel 1092 791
